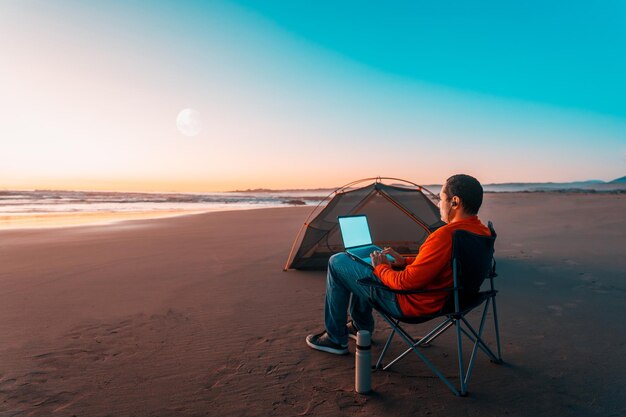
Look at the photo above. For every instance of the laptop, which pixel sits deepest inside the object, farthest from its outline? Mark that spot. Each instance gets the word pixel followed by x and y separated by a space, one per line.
pixel 357 239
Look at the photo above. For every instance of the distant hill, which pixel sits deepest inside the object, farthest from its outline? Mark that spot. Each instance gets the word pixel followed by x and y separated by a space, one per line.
pixel 618 181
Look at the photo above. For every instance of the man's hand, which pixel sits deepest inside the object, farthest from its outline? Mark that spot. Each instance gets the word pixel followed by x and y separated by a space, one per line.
pixel 378 258
pixel 398 260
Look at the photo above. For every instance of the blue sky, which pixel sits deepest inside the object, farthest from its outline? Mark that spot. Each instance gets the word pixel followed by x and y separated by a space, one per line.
pixel 568 54
pixel 309 94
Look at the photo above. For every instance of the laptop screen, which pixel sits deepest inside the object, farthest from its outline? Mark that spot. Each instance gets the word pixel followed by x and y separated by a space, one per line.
pixel 355 231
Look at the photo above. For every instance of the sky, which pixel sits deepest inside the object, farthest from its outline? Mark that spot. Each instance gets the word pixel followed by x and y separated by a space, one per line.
pixel 294 94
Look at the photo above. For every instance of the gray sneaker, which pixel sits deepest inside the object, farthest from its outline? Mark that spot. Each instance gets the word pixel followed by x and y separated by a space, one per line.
pixel 322 342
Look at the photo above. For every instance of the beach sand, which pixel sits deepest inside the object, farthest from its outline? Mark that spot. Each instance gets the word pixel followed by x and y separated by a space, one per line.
pixel 193 316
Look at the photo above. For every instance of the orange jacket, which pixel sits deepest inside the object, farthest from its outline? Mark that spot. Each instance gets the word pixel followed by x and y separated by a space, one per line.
pixel 431 269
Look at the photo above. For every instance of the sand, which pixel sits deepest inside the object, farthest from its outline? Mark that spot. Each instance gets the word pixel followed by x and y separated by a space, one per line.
pixel 193 316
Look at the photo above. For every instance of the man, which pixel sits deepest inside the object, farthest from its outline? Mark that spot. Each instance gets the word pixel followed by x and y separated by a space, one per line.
pixel 460 199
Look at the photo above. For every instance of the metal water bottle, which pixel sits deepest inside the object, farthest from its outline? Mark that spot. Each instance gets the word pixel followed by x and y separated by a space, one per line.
pixel 363 365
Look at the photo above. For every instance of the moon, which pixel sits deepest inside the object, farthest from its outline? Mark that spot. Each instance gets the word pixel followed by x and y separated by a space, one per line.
pixel 188 122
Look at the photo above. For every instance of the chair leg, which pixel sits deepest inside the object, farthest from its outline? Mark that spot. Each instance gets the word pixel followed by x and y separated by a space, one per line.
pixel 470 366
pixel 445 380
pixel 459 346
pixel 473 340
pixel 382 354
pixel 495 321
pixel 430 337
pixel 482 344
pixel 443 326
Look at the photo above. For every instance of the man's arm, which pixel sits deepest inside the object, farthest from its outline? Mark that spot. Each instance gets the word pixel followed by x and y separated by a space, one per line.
pixel 433 258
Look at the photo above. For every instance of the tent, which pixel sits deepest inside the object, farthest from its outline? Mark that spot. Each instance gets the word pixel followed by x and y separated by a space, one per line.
pixel 401 215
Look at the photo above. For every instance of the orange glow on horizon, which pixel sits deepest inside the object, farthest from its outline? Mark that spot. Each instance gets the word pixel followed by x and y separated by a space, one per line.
pixel 207 186
pixel 327 181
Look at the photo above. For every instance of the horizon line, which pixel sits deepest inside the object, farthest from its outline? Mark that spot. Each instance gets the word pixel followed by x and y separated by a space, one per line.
pixel 248 190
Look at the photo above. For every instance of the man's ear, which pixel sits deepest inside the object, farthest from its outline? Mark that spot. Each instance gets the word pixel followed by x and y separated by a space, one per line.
pixel 455 201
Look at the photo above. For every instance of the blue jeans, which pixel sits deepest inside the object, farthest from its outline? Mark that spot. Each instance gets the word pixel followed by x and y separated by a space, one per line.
pixel 343 290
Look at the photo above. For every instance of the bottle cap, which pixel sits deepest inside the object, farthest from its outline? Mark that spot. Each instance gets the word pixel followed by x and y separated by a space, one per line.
pixel 363 339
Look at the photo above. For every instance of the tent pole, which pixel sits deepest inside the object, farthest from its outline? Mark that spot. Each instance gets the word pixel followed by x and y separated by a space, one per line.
pixel 294 246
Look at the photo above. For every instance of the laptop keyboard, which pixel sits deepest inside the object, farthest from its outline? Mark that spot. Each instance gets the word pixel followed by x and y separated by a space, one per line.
pixel 363 252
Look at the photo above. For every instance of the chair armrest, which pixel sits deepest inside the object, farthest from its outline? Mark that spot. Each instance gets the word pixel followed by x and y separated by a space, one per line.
pixel 368 282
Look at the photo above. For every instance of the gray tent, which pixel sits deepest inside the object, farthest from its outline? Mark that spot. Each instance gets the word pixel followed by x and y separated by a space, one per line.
pixel 400 216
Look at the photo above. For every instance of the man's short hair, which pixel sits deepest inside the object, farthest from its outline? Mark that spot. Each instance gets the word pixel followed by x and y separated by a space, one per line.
pixel 468 189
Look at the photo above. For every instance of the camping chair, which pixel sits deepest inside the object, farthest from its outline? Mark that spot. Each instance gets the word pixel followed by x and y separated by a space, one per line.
pixel 472 262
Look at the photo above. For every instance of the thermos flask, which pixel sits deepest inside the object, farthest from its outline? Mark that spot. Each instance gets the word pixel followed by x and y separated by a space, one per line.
pixel 363 366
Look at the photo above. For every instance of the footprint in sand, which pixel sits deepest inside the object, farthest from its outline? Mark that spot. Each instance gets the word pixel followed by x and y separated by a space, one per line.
pixel 86 349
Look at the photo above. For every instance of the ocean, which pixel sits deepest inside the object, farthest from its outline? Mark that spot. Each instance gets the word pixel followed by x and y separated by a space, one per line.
pixel 45 208
pixel 57 207
pixel 52 202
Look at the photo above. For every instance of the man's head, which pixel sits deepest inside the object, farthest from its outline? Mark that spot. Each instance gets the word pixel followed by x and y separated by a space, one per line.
pixel 461 197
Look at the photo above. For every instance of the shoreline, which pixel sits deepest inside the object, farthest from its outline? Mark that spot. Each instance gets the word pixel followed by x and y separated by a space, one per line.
pixel 12 222
pixel 86 219
pixel 65 220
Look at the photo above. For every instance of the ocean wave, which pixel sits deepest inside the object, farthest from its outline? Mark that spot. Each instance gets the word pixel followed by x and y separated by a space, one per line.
pixel 50 201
